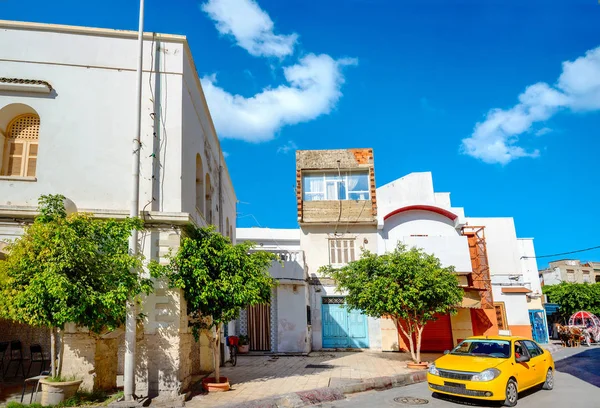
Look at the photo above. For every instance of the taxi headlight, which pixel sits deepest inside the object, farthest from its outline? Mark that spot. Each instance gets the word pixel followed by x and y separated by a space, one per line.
pixel 486 375
pixel 433 370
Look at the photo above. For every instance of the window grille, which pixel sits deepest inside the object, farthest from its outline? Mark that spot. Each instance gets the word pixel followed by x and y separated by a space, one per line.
pixel 333 300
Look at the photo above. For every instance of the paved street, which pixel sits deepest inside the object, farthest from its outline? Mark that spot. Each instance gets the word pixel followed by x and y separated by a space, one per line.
pixel 577 386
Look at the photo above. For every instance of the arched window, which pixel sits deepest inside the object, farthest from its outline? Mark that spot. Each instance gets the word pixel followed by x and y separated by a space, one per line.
pixel 227 227
pixel 208 212
pixel 21 146
pixel 199 184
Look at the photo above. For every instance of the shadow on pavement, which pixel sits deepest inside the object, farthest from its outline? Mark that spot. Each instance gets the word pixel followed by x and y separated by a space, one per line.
pixel 479 403
pixel 585 366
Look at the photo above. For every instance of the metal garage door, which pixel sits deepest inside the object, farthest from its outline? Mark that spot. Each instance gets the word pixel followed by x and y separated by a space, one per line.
pixel 437 335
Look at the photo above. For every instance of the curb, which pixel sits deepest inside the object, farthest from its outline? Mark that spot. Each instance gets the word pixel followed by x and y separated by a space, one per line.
pixel 552 348
pixel 310 397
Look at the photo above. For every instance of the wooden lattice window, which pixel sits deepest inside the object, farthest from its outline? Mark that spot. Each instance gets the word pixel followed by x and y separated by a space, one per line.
pixel 21 146
pixel 341 251
pixel 501 315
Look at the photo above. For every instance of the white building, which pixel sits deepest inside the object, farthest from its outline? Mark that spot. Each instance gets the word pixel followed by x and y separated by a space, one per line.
pixel 486 254
pixel 283 326
pixel 340 213
pixel 67 101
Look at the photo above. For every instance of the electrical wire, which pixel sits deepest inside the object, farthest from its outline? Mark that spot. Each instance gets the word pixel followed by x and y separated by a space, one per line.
pixel 559 254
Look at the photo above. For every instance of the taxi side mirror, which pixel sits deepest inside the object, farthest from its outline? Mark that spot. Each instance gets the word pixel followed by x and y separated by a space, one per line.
pixel 522 359
pixel 446 351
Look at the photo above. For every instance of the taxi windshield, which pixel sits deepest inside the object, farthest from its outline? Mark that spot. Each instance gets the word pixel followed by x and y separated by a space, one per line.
pixel 483 348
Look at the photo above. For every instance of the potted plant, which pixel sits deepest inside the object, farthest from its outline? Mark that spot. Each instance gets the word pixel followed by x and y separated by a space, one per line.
pixel 69 269
pixel 244 344
pixel 219 279
pixel 409 286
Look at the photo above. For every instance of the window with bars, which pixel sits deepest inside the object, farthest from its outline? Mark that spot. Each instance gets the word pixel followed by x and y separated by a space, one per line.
pixel 21 146
pixel 341 251
pixel 586 277
pixel 501 316
pixel 570 275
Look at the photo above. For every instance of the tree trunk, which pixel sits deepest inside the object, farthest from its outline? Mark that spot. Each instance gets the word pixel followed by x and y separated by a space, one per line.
pixel 408 333
pixel 52 352
pixel 217 354
pixel 419 337
pixel 61 353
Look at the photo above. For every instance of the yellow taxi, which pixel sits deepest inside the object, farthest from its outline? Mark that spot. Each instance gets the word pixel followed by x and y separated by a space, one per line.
pixel 492 368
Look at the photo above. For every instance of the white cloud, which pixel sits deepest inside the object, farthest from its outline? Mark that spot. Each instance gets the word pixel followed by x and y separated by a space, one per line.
pixel 288 147
pixel 251 27
pixel 313 89
pixel 578 88
pixel 543 131
pixel 226 154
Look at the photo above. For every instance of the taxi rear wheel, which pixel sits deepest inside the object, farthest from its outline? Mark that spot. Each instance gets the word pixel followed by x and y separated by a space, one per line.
pixel 512 393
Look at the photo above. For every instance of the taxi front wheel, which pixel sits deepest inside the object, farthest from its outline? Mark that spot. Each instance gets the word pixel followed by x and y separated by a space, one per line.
pixel 512 393
pixel 549 384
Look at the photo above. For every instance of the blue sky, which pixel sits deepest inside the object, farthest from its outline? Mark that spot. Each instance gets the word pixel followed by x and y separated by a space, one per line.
pixel 520 83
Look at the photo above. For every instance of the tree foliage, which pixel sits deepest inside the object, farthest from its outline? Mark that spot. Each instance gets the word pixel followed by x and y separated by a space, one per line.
pixel 573 297
pixel 409 286
pixel 218 279
pixel 70 269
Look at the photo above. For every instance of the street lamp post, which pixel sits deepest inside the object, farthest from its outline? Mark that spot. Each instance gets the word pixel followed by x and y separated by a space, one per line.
pixel 130 323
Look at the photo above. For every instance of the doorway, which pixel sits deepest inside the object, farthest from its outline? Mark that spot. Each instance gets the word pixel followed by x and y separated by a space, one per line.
pixel 259 327
pixel 343 328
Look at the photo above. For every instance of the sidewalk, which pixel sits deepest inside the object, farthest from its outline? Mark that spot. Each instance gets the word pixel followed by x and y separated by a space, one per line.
pixel 258 377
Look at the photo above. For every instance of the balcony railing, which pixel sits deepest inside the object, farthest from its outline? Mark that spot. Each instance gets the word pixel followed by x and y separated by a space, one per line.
pixel 290 265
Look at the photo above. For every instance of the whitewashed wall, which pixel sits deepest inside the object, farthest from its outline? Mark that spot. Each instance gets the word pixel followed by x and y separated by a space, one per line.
pixel 314 241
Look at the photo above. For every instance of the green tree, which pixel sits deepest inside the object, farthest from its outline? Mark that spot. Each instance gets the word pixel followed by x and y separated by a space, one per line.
pixel 573 297
pixel 408 286
pixel 218 279
pixel 70 269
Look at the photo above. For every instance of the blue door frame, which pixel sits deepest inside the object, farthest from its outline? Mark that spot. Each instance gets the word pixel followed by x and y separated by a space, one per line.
pixel 539 325
pixel 343 328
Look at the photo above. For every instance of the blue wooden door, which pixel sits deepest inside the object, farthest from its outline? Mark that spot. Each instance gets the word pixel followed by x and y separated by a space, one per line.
pixel 358 337
pixel 335 326
pixel 539 328
pixel 341 328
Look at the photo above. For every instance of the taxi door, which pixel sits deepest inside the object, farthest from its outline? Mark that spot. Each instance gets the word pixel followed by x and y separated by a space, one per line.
pixel 538 361
pixel 524 371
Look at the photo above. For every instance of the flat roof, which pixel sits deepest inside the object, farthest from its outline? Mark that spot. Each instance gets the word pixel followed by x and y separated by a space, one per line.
pixel 105 32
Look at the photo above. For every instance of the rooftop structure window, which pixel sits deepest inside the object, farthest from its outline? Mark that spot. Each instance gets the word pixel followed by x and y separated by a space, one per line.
pixel 336 186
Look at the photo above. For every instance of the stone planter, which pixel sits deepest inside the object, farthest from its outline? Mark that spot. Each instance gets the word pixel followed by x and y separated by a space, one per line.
pixel 210 385
pixel 56 392
pixel 243 349
pixel 418 366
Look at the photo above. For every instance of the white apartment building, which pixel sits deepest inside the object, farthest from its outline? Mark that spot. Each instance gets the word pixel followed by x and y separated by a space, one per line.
pixel 67 119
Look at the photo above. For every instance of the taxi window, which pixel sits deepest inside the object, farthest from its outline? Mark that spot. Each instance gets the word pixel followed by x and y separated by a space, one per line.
pixel 533 349
pixel 520 349
pixel 483 348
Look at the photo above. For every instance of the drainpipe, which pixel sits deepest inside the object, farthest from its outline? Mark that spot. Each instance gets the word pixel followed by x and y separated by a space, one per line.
pixel 221 198
pixel 134 210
